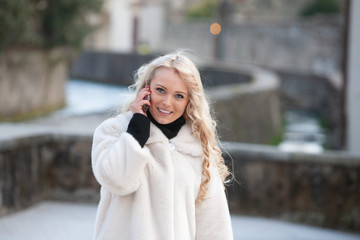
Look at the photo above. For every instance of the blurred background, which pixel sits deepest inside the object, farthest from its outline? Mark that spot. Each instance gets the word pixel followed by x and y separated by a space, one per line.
pixel 282 76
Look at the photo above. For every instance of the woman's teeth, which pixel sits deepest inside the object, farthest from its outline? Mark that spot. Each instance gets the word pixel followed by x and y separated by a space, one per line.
pixel 164 111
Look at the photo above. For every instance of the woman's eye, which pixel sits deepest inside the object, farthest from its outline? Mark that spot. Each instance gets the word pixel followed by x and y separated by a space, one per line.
pixel 179 96
pixel 160 90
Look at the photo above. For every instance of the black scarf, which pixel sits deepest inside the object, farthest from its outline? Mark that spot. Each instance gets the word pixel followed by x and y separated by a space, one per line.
pixel 170 130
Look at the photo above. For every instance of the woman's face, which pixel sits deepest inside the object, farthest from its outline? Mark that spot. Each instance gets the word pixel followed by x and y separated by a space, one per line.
pixel 169 96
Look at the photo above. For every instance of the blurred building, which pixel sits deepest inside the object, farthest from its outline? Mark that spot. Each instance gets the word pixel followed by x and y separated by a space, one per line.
pixel 128 24
pixel 270 11
pixel 269 33
pixel 353 79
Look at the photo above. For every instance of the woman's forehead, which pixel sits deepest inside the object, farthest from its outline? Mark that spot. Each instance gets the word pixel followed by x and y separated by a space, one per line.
pixel 170 78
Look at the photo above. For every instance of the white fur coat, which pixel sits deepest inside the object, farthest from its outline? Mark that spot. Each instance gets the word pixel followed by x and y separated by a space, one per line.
pixel 149 193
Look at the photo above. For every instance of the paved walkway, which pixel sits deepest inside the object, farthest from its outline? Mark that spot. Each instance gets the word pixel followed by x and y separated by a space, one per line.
pixel 81 125
pixel 75 221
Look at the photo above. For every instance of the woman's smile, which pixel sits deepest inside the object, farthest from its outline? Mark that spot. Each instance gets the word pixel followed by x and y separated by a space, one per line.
pixel 162 111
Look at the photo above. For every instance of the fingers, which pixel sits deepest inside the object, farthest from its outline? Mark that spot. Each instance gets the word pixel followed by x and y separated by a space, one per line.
pixel 140 101
pixel 143 93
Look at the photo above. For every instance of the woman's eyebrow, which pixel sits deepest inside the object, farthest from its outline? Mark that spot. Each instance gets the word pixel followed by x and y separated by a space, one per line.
pixel 160 85
pixel 181 92
pixel 166 89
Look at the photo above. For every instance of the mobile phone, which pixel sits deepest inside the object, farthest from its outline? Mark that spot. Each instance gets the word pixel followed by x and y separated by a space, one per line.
pixel 145 107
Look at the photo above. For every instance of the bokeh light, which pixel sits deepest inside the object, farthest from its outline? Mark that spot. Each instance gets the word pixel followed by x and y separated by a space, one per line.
pixel 215 28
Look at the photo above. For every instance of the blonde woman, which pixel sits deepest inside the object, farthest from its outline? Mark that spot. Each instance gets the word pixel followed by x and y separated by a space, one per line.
pixel 158 163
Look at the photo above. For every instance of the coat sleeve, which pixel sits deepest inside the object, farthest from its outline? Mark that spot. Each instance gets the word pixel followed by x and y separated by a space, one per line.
pixel 118 161
pixel 212 215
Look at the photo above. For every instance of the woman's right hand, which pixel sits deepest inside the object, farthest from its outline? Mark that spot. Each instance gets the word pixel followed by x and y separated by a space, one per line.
pixel 140 101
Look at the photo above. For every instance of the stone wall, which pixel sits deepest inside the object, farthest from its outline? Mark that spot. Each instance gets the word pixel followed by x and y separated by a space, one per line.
pixel 45 167
pixel 308 46
pixel 321 190
pixel 248 110
pixel 32 82
pixel 23 164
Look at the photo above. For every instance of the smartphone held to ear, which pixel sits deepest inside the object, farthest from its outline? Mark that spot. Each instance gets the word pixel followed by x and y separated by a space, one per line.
pixel 145 107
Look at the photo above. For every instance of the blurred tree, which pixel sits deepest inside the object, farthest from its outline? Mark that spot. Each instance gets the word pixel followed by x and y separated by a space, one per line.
pixel 16 23
pixel 45 23
pixel 321 7
pixel 204 9
pixel 64 22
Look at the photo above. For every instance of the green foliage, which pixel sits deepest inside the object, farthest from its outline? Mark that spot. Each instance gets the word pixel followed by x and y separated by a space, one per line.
pixel 45 23
pixel 64 22
pixel 325 124
pixel 205 9
pixel 321 7
pixel 15 22
pixel 278 137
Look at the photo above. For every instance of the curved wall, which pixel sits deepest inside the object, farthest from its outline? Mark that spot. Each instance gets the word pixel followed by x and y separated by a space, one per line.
pixel 248 108
pixel 245 99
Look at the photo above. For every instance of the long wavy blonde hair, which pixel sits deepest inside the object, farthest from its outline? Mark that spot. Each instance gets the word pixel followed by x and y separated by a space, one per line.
pixel 197 113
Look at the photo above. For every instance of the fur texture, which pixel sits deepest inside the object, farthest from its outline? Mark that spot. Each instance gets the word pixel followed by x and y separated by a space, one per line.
pixel 150 193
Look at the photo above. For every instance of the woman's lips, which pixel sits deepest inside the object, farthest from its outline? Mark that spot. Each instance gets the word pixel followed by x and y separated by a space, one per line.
pixel 163 111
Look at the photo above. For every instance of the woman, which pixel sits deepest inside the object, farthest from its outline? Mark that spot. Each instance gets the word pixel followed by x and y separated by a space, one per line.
pixel 158 163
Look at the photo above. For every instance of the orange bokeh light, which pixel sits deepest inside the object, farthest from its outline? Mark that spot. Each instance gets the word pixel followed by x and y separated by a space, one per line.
pixel 215 28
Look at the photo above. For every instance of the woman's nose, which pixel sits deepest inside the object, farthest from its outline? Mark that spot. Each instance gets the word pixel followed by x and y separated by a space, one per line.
pixel 167 100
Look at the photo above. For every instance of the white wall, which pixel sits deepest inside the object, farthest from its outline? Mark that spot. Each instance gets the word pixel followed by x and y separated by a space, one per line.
pixel 120 25
pixel 152 25
pixel 353 81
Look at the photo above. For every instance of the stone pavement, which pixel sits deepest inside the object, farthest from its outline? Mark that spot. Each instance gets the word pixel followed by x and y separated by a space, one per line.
pixel 75 221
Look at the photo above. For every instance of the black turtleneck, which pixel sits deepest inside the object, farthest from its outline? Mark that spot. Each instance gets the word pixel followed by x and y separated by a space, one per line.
pixel 139 127
pixel 170 130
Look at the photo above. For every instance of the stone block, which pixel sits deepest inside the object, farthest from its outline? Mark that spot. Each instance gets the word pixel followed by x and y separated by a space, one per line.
pixel 32 82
